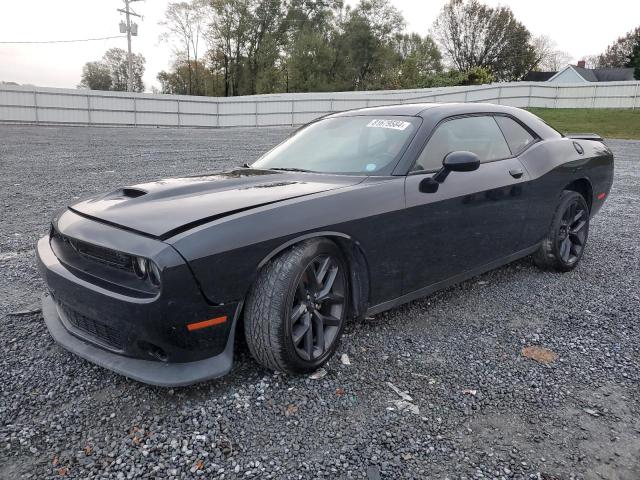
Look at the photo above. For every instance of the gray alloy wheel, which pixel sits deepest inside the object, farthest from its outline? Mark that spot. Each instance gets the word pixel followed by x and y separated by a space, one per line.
pixel 296 310
pixel 564 244
pixel 318 306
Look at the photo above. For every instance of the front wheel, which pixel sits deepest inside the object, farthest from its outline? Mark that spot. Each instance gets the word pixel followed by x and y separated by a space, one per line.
pixel 296 310
pixel 563 246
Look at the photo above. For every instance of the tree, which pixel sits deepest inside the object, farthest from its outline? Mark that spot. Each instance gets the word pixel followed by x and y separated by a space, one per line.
pixel 116 61
pixel 477 76
pixel 475 35
pixel 110 73
pixel 263 40
pixel 309 63
pixel 309 60
pixel 265 46
pixel 366 44
pixel 180 81
pixel 186 23
pixel 384 19
pixel 229 33
pixel 419 58
pixel 96 76
pixel 634 60
pixel 547 56
pixel 617 54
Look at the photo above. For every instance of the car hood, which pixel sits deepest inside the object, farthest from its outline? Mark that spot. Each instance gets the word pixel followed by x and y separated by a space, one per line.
pixel 166 207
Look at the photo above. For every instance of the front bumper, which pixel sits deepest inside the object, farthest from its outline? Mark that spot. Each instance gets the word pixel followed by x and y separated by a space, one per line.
pixel 148 371
pixel 143 337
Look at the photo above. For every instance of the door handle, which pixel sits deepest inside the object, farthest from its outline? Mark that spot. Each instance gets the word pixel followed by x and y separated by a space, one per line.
pixel 516 172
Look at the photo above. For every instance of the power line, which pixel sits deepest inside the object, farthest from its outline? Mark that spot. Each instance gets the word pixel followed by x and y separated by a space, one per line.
pixel 62 41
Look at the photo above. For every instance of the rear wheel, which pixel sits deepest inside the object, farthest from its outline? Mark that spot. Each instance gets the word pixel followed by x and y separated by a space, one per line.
pixel 296 310
pixel 564 244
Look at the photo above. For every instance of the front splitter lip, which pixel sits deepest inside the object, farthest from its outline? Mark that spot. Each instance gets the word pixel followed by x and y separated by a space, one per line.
pixel 151 372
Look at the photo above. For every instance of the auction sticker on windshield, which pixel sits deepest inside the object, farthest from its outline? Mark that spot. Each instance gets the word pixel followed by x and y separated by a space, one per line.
pixel 393 124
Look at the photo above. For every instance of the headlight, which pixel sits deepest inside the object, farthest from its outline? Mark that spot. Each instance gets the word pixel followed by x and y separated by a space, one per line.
pixel 154 273
pixel 140 266
pixel 147 269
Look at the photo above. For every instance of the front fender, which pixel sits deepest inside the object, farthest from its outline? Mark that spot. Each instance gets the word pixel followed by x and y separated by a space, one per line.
pixel 227 254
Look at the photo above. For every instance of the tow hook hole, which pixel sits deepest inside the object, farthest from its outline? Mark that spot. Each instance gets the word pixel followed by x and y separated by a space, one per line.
pixel 154 351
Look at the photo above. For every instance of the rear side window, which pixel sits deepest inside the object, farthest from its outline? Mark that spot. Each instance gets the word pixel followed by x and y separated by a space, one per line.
pixel 517 137
pixel 478 134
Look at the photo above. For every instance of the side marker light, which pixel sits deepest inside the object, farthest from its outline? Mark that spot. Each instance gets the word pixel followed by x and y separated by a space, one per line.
pixel 601 196
pixel 206 323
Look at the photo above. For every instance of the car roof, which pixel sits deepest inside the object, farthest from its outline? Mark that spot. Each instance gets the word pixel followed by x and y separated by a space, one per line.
pixel 435 112
pixel 425 110
pixel 408 109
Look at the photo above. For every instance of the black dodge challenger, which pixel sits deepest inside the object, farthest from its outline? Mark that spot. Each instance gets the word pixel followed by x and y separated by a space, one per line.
pixel 355 213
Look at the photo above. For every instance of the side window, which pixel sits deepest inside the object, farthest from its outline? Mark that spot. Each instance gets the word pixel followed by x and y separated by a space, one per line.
pixel 479 135
pixel 517 137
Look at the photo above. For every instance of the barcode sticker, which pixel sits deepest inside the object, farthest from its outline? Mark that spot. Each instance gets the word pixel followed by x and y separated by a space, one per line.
pixel 393 124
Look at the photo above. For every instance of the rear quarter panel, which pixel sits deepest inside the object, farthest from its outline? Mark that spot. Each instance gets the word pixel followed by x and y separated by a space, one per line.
pixel 554 164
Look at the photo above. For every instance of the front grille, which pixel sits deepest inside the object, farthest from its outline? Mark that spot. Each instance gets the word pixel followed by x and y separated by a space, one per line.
pixel 102 266
pixel 96 253
pixel 102 332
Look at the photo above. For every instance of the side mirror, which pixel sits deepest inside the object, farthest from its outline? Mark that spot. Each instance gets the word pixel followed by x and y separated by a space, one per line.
pixel 460 161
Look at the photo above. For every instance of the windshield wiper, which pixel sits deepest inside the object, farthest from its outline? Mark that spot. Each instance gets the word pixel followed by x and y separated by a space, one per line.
pixel 291 169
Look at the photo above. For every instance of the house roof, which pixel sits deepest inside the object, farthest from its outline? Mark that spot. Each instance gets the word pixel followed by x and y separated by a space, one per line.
pixel 599 74
pixel 586 73
pixel 613 74
pixel 538 76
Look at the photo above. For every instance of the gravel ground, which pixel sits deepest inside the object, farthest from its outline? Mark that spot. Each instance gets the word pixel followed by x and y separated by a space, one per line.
pixel 483 410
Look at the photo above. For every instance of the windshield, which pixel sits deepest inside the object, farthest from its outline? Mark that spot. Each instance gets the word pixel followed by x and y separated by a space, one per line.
pixel 360 144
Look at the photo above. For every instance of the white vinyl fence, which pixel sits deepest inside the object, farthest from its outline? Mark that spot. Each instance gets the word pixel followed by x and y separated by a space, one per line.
pixel 21 104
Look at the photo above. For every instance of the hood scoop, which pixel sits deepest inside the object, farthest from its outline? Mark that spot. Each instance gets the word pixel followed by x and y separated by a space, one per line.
pixel 130 192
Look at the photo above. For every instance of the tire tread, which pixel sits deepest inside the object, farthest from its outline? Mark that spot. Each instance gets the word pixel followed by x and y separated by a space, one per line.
pixel 264 307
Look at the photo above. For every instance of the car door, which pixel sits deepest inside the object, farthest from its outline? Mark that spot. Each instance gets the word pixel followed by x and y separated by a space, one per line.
pixel 474 218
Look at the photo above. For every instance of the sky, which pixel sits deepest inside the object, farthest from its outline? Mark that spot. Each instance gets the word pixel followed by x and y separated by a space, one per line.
pixel 579 27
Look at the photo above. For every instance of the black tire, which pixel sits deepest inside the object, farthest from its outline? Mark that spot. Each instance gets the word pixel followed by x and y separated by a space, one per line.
pixel 287 308
pixel 564 244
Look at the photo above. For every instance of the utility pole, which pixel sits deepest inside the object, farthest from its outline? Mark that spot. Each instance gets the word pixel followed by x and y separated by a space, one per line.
pixel 130 29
